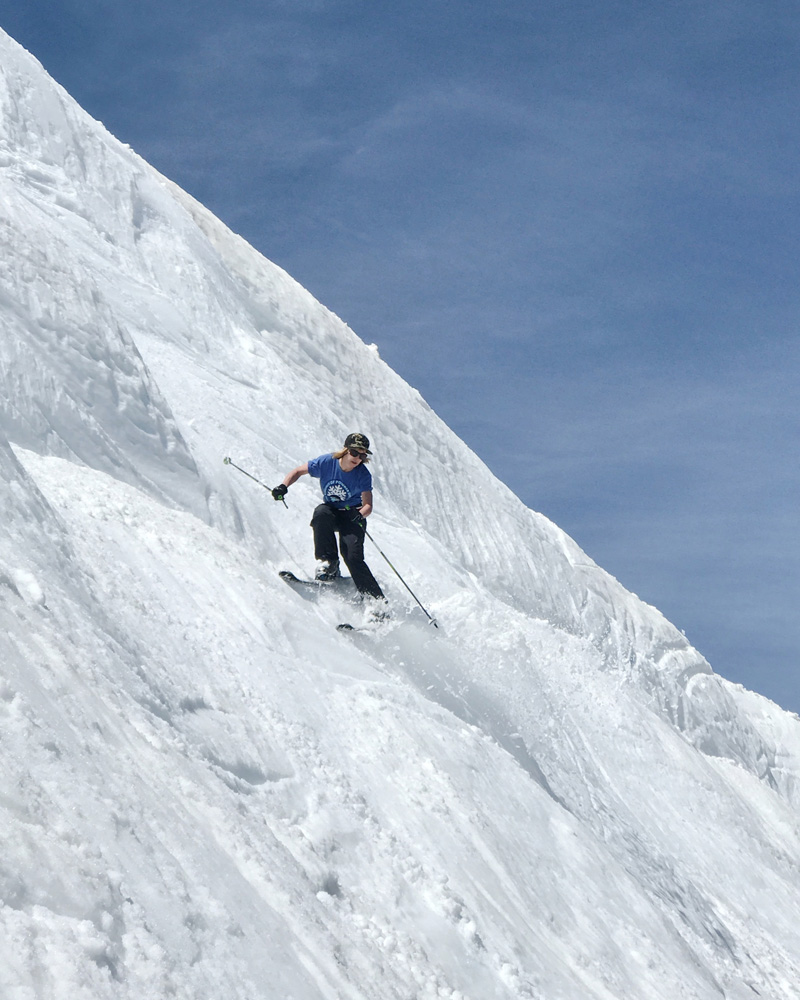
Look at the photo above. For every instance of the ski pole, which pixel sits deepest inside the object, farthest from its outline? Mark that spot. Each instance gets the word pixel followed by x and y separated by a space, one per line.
pixel 431 619
pixel 227 461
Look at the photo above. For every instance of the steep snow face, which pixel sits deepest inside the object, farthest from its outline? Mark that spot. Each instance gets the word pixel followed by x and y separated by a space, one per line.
pixel 74 382
pixel 207 790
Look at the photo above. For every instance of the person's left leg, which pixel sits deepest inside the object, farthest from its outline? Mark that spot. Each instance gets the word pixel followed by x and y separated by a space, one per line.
pixel 351 543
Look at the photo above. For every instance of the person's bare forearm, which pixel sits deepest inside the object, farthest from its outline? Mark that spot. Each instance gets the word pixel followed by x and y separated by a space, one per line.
pixel 295 474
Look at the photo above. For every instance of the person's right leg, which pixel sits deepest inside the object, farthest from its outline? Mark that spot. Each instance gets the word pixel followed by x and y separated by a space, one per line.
pixel 326 552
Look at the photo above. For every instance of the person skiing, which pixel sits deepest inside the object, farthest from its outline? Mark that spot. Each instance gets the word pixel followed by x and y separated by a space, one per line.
pixel 346 485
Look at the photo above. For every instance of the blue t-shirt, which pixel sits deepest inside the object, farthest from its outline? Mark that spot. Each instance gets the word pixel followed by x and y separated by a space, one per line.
pixel 339 488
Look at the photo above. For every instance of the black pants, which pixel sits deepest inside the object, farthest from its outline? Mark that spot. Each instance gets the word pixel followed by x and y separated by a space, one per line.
pixel 326 522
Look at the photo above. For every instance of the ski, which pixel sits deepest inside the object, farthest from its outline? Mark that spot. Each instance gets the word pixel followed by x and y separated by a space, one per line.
pixel 292 580
pixel 341 584
pixel 347 627
pixel 341 588
pixel 372 624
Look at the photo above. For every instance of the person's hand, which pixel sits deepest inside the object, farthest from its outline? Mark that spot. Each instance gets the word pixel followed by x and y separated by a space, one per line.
pixel 279 492
pixel 359 520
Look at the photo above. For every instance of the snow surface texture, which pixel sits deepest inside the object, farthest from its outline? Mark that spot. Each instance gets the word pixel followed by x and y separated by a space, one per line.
pixel 209 792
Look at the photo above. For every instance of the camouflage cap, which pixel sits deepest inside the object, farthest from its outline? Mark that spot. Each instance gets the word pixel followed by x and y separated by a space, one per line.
pixel 357 441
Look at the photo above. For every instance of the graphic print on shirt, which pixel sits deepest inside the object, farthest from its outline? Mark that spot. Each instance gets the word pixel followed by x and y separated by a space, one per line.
pixel 335 492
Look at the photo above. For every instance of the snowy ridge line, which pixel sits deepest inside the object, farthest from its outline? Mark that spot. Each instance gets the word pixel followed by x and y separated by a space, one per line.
pixel 207 791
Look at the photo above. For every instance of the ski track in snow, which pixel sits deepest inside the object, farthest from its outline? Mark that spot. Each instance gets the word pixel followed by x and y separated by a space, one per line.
pixel 207 790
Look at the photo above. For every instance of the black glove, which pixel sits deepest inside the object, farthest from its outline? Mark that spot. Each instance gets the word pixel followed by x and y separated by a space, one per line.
pixel 358 519
pixel 279 492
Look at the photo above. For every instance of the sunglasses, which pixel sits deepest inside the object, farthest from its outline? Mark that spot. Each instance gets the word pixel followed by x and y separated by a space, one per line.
pixel 357 454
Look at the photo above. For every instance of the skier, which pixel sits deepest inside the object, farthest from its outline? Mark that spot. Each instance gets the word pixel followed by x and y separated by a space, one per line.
pixel 346 485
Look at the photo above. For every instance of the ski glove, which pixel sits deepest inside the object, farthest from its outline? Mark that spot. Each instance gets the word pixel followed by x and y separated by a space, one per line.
pixel 358 520
pixel 279 492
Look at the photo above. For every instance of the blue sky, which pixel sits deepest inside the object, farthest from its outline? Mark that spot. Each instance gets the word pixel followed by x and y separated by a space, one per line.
pixel 574 227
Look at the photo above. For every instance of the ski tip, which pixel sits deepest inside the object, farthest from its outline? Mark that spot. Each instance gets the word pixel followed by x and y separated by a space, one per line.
pixel 344 582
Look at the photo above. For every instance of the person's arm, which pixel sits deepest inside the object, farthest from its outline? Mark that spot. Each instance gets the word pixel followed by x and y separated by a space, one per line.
pixel 280 491
pixel 295 474
pixel 366 503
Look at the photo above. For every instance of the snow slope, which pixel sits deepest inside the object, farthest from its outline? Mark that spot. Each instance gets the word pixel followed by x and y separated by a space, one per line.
pixel 206 790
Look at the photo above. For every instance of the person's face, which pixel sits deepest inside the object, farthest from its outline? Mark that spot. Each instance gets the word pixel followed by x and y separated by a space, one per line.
pixel 351 458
